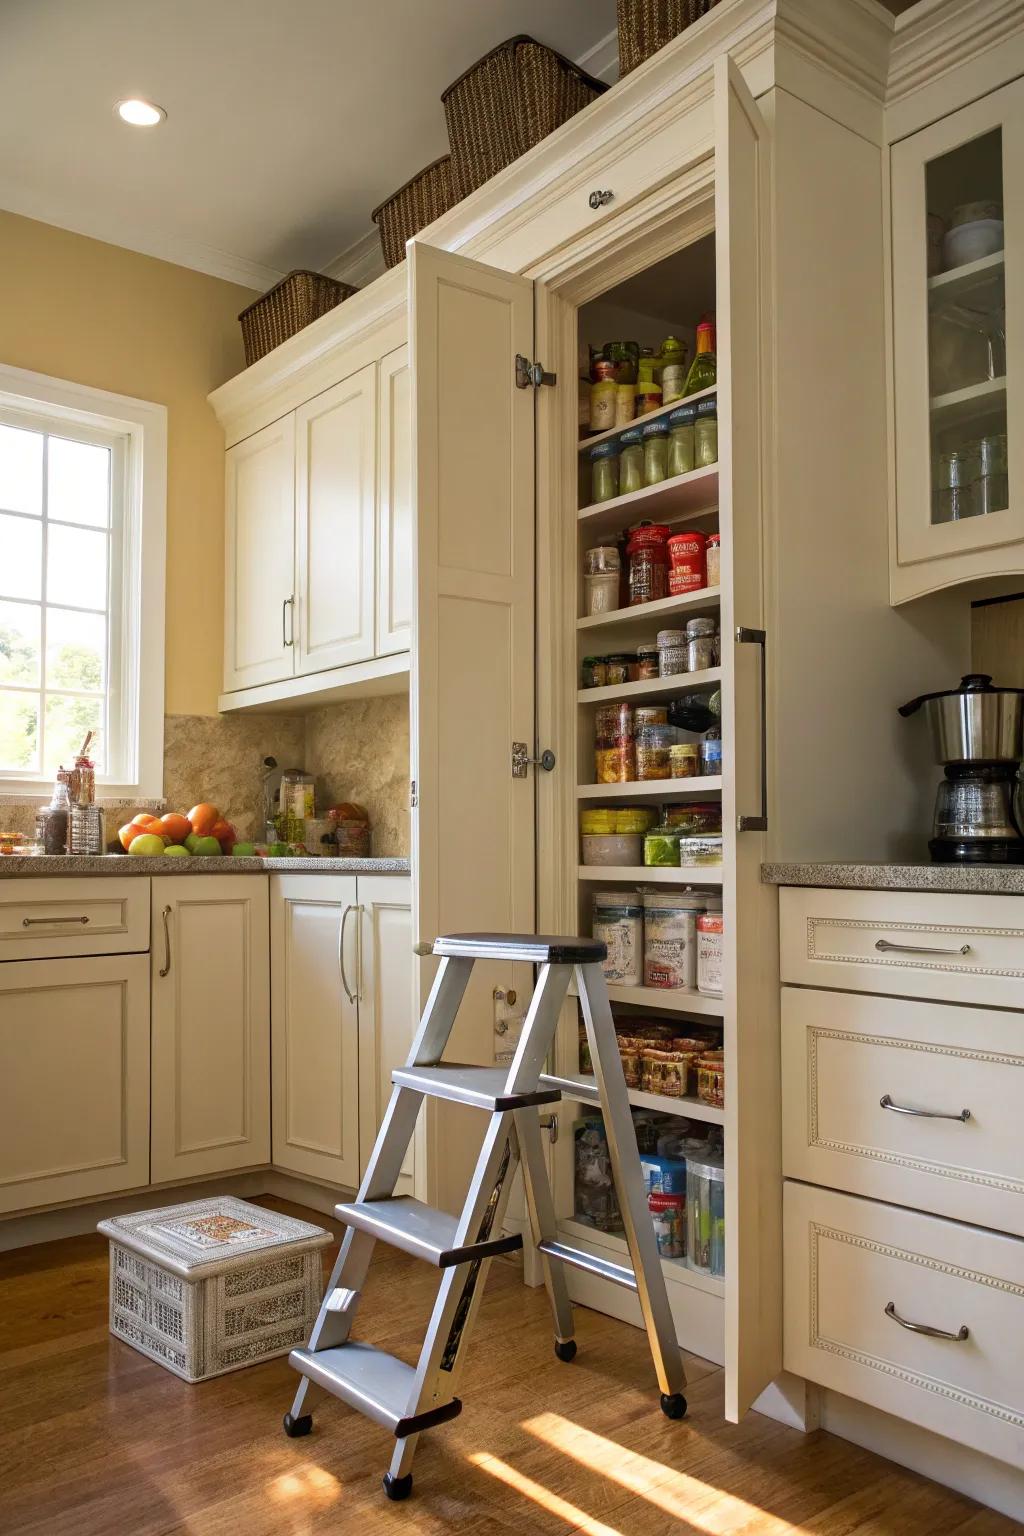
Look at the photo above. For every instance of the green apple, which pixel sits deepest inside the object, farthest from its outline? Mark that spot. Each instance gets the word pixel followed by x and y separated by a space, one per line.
pixel 177 850
pixel 190 841
pixel 203 847
pixel 277 851
pixel 147 846
pixel 244 850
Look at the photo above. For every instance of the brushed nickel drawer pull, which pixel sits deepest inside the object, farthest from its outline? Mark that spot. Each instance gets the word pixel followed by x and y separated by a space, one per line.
pixel 918 949
pixel 933 1333
pixel 924 1114
pixel 353 997
pixel 30 922
pixel 165 968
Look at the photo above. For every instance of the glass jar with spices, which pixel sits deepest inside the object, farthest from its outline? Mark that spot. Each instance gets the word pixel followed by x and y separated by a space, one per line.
pixel 673 653
pixel 603 397
pixel 673 369
pixel 647 662
pixel 619 669
pixel 649 714
pixel 705 434
pixel 713 559
pixel 648 563
pixel 684 760
pixel 700 644
pixel 604 472
pixel 680 444
pixel 601 579
pixel 655 438
pixel 631 462
pixel 653 745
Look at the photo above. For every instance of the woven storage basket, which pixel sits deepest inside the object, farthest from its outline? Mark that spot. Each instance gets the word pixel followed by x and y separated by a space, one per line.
pixel 422 200
pixel 647 25
pixel 289 306
pixel 506 103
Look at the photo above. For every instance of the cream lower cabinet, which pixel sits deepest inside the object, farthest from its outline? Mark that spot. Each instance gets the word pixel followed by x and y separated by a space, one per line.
pixel 341 1017
pixel 74 1078
pixel 210 1025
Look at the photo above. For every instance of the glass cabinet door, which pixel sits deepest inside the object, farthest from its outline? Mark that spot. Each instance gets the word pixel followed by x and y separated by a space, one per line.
pixel 958 336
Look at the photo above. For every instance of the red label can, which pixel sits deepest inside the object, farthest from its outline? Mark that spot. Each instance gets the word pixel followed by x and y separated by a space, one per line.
pixel 687 553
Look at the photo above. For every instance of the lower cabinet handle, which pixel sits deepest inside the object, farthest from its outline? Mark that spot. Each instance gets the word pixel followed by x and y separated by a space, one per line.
pixel 353 997
pixel 30 922
pixel 165 968
pixel 933 1333
pixel 918 949
pixel 924 1114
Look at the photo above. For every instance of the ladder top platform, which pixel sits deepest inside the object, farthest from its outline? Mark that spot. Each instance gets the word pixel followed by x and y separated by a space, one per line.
pixel 533 948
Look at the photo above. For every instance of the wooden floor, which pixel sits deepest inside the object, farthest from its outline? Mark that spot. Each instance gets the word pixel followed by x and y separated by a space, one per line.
pixel 96 1440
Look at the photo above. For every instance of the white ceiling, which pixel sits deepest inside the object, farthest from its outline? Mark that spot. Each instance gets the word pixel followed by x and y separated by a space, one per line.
pixel 288 120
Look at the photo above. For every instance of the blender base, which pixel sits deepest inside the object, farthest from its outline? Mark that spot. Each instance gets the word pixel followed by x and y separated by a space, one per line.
pixel 977 850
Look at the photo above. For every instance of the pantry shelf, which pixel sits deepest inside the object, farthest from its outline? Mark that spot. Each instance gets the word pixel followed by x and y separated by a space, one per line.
pixel 641 421
pixel 584 1090
pixel 626 627
pixel 679 1000
pixel 680 499
pixel 956 284
pixel 652 789
pixel 652 687
pixel 609 1244
pixel 640 874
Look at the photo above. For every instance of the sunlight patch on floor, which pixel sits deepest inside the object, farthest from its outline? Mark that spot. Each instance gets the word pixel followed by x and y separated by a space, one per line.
pixel 575 1518
pixel 314 1484
pixel 701 1505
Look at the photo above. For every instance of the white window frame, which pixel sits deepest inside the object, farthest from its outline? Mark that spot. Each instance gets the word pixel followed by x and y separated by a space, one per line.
pixel 138 565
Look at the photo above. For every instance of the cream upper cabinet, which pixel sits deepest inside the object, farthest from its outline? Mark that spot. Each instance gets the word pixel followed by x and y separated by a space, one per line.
pixel 211 1036
pixel 394 504
pixel 74 1070
pixel 957 191
pixel 259 558
pixel 334 525
pixel 315 1026
pixel 387 1011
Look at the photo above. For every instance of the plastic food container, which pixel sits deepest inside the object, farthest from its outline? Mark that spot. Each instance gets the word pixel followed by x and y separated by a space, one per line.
pixel 705 1214
pixel 615 765
pixel 700 850
pixel 597 822
pixel 705 434
pixel 613 848
pixel 672 652
pixel 670 939
pixel 649 714
pixel 668 1216
pixel 601 592
pixel 661 847
pixel 711 1078
pixel 696 817
pixel 631 461
pixel 619 924
pixel 713 559
pixel 684 760
pixel 634 818
pixel 653 744
pixel 647 660
pixel 680 442
pixel 655 436
pixel 613 725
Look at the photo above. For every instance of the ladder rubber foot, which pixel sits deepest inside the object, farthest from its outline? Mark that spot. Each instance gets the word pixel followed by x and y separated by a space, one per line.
pixel 295 1428
pixel 565 1349
pixel 673 1405
pixel 397 1487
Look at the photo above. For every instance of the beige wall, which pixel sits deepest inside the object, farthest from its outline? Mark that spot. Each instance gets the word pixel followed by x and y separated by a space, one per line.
pixel 100 315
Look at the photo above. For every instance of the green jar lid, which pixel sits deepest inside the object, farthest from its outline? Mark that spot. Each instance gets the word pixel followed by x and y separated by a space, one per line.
pixel 655 429
pixel 628 439
pixel 605 451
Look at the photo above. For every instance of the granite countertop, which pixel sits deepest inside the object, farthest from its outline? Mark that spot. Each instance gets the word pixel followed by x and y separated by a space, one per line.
pixel 14 865
pixel 977 879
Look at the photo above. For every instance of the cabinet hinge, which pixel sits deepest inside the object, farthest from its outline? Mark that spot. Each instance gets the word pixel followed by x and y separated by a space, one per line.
pixel 528 373
pixel 414 798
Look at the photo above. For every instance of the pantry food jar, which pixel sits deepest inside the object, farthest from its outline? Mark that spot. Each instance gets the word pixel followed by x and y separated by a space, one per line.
pixel 653 744
pixel 649 714
pixel 711 1078
pixel 619 925
pixel 601 579
pixel 604 472
pixel 705 434
pixel 700 644
pixel 647 553
pixel 668 1217
pixel 621 669
pixel 705 1213
pixel 614 725
pixel 684 760
pixel 625 404
pixel 631 462
pixel 647 662
pixel 672 652
pixel 670 940
pixel 713 558
pixel 655 438
pixel 665 1072
pixel 673 369
pixel 686 554
pixel 603 399
pixel 595 671
pixel 704 849
pixel 710 938
pixel 680 440
pixel 696 818
pixel 661 847
pixel 614 749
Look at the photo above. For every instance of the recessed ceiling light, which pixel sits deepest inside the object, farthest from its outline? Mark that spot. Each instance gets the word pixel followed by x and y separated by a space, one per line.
pixel 141 114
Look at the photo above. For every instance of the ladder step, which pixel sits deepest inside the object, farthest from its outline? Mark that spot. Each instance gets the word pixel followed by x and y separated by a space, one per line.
pixel 480 1087
pixel 377 1384
pixel 618 1274
pixel 532 948
pixel 420 1230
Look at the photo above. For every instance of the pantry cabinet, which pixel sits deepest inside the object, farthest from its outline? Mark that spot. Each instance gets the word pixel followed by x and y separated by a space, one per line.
pixel 210 1026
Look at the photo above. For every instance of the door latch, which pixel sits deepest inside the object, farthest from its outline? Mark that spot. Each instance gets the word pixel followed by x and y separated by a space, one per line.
pixel 521 760
pixel 549 1123
pixel 528 373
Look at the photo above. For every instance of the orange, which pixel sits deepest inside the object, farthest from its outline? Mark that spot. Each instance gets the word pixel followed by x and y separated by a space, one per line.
pixel 203 818
pixel 174 826
pixel 134 829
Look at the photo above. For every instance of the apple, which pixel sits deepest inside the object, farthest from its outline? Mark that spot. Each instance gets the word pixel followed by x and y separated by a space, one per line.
pixel 177 850
pixel 244 850
pixel 278 851
pixel 203 847
pixel 147 845
pixel 190 842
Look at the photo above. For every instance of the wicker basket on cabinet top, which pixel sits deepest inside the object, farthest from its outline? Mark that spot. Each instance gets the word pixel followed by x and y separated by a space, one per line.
pixel 289 306
pixel 506 103
pixel 647 25
pixel 423 199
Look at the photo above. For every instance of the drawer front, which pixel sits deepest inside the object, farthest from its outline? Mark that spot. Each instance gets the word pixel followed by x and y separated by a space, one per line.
pixel 959 948
pixel 843 1054
pixel 51 918
pixel 848 1260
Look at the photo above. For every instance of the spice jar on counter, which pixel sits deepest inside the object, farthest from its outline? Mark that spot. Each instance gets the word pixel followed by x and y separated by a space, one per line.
pixel 680 441
pixel 705 434
pixel 700 644
pixel 631 462
pixel 601 579
pixel 655 438
pixel 604 472
pixel 648 563
pixel 673 652
pixel 713 558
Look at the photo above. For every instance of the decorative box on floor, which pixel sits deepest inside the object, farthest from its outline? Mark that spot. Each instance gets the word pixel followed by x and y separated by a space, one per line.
pixel 214 1285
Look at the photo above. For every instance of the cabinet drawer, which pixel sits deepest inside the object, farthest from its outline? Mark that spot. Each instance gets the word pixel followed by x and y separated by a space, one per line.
pixel 51 918
pixel 841 1055
pixel 967 949
pixel 847 1260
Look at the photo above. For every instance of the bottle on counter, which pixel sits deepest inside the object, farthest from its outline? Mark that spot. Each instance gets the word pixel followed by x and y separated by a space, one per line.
pixel 55 820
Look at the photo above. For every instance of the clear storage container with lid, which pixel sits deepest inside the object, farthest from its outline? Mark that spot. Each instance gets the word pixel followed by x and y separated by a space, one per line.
pixel 670 938
pixel 631 462
pixel 619 924
pixel 705 1213
pixel 601 579
pixel 604 472
pixel 655 437
pixel 680 443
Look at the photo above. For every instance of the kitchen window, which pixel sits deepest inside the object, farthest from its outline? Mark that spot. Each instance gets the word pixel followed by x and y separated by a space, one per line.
pixel 82 512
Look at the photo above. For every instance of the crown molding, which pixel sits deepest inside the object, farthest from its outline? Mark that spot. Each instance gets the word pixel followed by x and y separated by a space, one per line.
pixel 360 263
pixel 937 36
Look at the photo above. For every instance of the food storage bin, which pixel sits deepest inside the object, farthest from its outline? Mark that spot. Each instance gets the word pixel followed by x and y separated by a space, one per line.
pixel 670 939
pixel 696 817
pixel 661 847
pixel 704 849
pixel 619 924
pixel 621 848
pixel 705 1214
pixel 653 744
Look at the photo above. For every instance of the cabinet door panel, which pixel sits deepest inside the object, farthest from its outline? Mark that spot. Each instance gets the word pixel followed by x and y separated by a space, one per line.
pixel 394 504
pixel 74 1079
pixel 387 1017
pixel 314 1027
pixel 334 540
pixel 259 556
pixel 211 1025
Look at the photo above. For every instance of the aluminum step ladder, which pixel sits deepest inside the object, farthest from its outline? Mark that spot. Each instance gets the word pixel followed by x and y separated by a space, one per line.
pixel 409 1399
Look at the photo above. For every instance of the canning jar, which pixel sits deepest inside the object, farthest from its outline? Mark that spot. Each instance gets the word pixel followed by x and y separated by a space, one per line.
pixel 595 671
pixel 619 924
pixel 670 940
pixel 993 486
pixel 620 669
pixel 648 564
pixel 710 940
pixel 713 559
pixel 604 472
pixel 705 434
pixel 601 579
pixel 700 644
pixel 672 652
pixel 647 662
pixel 603 396
pixel 686 553
pixel 680 444
pixel 652 751
pixel 631 462
pixel 661 847
pixel 655 436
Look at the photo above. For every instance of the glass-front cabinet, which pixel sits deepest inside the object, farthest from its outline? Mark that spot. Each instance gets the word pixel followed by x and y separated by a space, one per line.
pixel 958 341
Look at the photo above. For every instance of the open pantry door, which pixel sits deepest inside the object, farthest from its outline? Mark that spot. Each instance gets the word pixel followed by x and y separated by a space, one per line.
pixel 753 1336
pixel 473 651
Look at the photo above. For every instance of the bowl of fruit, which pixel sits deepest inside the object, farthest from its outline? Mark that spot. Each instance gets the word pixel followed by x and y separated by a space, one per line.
pixel 202 833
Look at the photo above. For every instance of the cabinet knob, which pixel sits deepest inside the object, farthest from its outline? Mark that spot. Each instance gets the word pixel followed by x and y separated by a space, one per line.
pixel 600 199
